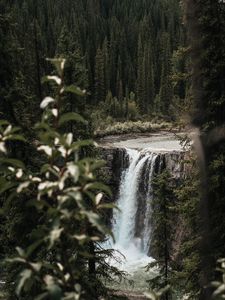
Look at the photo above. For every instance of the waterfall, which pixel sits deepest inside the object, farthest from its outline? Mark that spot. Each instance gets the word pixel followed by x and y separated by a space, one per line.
pixel 147 221
pixel 132 241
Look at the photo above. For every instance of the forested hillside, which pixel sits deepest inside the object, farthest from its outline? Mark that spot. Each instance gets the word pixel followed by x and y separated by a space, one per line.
pixel 121 52
pixel 75 70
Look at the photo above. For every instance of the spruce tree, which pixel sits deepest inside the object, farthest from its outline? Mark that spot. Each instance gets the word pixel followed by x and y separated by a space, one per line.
pixel 149 78
pixel 162 225
pixel 140 76
pixel 100 91
pixel 166 90
pixel 112 27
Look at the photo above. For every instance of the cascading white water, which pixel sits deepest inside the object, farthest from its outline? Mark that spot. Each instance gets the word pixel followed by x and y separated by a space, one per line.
pixel 127 204
pixel 134 247
pixel 147 222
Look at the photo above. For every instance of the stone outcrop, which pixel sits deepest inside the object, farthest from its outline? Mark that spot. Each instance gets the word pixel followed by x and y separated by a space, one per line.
pixel 117 162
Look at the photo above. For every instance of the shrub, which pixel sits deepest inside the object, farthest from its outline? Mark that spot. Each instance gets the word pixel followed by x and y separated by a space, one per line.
pixel 132 127
pixel 132 110
pixel 65 189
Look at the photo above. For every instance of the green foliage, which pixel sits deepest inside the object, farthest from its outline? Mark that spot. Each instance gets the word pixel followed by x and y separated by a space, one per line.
pixel 188 195
pixel 166 91
pixel 178 260
pixel 205 23
pixel 131 127
pixel 162 224
pixel 145 79
pixel 110 46
pixel 64 260
pixel 219 286
pixel 120 110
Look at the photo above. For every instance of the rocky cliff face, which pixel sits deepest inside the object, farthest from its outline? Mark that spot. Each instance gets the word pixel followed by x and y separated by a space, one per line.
pixel 117 162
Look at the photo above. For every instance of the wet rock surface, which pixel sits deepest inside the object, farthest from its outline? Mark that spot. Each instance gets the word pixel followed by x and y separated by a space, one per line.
pixel 170 156
pixel 161 142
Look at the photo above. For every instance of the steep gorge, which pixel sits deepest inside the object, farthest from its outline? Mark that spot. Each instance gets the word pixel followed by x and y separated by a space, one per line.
pixel 130 173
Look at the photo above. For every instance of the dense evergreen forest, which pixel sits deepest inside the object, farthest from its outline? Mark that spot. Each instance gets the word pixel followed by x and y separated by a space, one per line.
pixel 122 53
pixel 71 71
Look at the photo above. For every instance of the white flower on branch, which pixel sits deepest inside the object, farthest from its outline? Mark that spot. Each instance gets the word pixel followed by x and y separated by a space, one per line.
pixel 46 149
pixel 2 147
pixel 46 102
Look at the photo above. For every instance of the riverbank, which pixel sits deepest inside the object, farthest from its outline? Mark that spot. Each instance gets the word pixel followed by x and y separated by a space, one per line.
pixel 163 141
pixel 130 127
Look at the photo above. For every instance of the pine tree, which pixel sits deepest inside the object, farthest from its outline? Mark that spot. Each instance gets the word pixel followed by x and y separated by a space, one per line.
pixel 100 91
pixel 114 28
pixel 145 80
pixel 149 78
pixel 106 65
pixel 162 236
pixel 166 90
pixel 140 76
